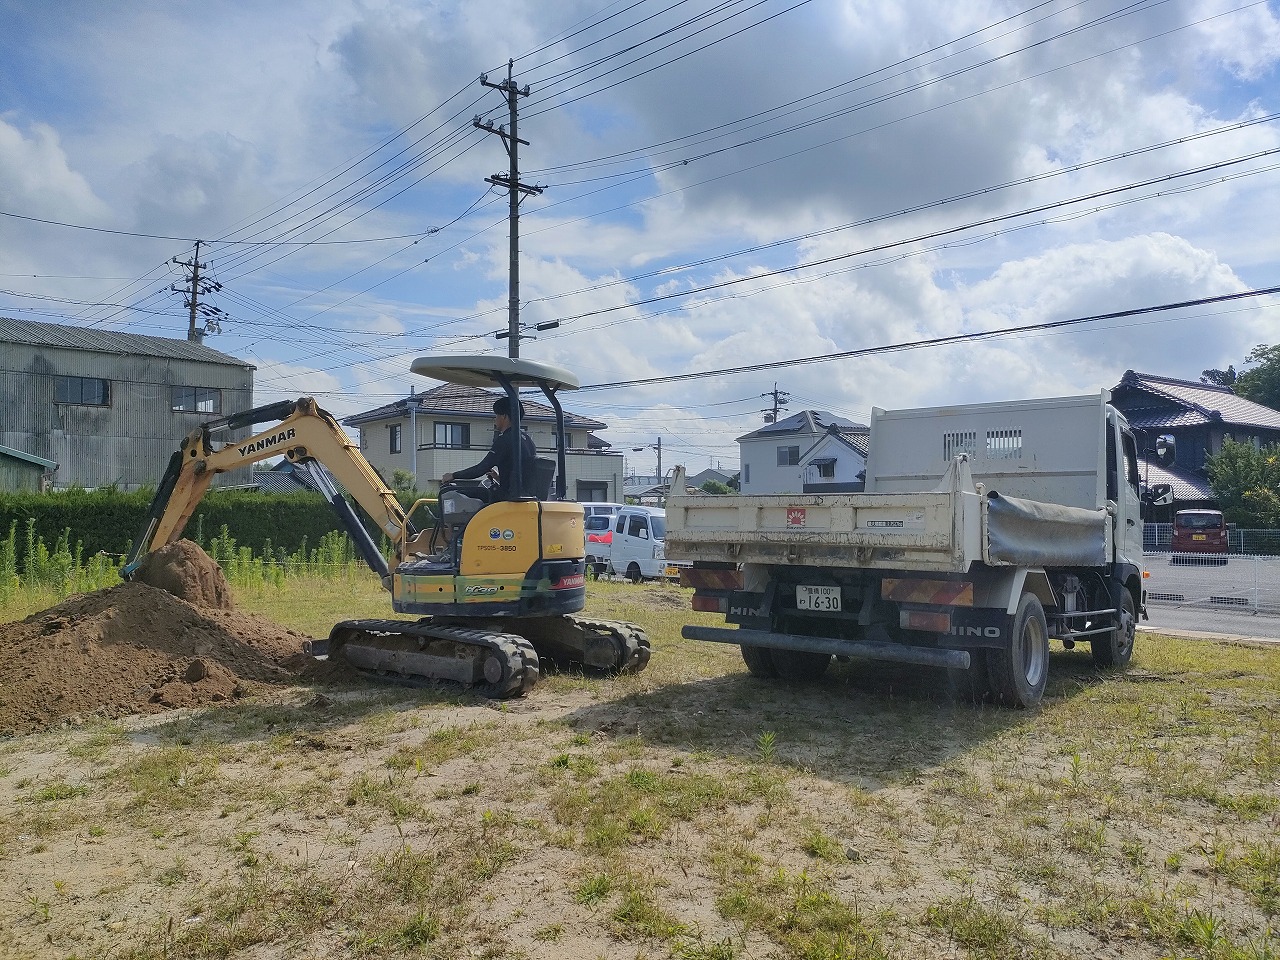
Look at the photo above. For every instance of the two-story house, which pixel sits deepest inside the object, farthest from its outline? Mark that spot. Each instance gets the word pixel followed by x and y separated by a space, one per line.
pixel 772 456
pixel 1199 417
pixel 451 426
pixel 93 407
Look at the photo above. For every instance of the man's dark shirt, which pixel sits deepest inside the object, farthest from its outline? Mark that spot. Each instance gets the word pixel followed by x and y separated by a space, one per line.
pixel 499 456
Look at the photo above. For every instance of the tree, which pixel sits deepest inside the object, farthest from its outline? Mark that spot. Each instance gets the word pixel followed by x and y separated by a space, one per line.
pixel 1261 384
pixel 1247 483
pixel 1223 378
pixel 715 487
pixel 402 481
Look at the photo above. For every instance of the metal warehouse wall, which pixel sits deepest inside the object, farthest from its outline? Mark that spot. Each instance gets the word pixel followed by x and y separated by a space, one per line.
pixel 126 444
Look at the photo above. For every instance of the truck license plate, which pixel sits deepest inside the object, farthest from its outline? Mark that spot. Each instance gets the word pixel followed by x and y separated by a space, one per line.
pixel 817 598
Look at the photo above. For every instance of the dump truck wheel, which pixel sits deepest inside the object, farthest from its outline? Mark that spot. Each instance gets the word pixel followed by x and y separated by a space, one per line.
pixel 1114 650
pixel 1020 671
pixel 759 661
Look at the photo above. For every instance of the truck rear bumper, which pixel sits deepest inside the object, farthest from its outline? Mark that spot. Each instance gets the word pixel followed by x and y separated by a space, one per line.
pixel 862 649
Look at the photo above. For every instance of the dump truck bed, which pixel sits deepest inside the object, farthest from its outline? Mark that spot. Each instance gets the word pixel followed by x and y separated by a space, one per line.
pixel 1009 484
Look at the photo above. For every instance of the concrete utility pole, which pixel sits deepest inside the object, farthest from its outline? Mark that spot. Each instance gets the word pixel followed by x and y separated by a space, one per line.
pixel 780 399
pixel 515 190
pixel 192 302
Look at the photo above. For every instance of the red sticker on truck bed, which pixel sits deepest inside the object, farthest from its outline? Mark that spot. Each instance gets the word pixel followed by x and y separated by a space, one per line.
pixel 795 516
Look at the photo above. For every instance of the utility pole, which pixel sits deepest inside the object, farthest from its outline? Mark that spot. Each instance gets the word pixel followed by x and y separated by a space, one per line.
pixel 193 293
pixel 515 190
pixel 651 446
pixel 780 399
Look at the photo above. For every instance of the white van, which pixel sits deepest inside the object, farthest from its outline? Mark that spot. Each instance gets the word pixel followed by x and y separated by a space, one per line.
pixel 638 550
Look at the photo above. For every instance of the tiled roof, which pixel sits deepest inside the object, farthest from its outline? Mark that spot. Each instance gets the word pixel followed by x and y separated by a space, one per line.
pixel 1151 401
pixel 461 400
pixel 806 421
pixel 1186 486
pixel 96 340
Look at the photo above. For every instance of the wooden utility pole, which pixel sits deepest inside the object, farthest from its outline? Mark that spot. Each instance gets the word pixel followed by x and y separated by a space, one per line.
pixel 515 190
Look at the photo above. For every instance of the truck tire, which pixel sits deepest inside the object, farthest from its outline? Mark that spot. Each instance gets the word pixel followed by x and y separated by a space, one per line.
pixel 1020 671
pixel 759 661
pixel 972 685
pixel 1114 650
pixel 799 664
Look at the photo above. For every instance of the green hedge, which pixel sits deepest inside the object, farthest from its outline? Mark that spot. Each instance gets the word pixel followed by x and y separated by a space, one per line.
pixel 108 521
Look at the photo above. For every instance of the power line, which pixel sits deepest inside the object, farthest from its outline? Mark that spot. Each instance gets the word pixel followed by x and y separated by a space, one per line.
pixel 932 342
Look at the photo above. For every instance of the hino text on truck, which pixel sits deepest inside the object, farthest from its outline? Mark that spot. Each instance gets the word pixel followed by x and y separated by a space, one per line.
pixel 983 531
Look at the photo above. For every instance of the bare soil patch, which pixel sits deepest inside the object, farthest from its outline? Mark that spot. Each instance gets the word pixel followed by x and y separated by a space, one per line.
pixel 172 640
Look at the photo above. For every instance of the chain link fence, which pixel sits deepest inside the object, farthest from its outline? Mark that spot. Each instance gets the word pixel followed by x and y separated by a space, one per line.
pixel 1255 543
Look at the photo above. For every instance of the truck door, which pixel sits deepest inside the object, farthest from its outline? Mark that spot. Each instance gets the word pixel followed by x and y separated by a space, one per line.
pixel 1129 503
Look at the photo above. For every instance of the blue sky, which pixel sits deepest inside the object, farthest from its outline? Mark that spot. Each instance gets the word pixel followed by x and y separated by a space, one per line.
pixel 695 155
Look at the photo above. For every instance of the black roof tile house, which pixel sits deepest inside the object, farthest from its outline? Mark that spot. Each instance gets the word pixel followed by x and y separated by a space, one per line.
pixel 1199 416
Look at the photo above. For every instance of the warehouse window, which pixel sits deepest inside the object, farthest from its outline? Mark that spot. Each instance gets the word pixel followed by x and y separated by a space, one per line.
pixel 196 399
pixel 453 435
pixel 86 391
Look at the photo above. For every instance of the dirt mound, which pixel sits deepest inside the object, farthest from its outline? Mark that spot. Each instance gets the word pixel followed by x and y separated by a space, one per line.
pixel 139 649
pixel 184 570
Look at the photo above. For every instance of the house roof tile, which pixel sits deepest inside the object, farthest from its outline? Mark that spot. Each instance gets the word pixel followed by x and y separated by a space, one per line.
pixel 806 421
pixel 1186 403
pixel 30 333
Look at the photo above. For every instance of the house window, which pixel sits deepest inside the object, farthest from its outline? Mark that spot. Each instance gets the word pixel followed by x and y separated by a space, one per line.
pixel 826 469
pixel 196 399
pixel 86 391
pixel 746 473
pixel 453 435
pixel 788 456
pixel 394 432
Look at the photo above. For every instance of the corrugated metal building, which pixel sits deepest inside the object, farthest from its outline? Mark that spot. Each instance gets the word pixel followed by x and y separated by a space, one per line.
pixel 110 408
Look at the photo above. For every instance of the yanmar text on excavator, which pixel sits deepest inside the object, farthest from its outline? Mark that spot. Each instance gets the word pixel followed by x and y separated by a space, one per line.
pixel 495 585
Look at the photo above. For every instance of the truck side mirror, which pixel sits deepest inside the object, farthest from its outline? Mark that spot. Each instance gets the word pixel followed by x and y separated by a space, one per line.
pixel 1159 495
pixel 1166 449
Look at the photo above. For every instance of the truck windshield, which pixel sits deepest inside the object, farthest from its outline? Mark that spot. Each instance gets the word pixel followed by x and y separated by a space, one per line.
pixel 1199 521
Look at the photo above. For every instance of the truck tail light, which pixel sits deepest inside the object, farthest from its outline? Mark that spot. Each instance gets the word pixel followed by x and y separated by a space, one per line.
pixel 710 603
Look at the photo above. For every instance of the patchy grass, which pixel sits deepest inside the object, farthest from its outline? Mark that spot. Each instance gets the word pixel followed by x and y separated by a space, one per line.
pixel 689 811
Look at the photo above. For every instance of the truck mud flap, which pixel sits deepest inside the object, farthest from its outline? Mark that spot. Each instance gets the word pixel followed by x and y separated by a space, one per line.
pixel 861 649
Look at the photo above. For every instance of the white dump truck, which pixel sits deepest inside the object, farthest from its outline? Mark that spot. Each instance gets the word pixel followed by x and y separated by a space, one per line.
pixel 982 532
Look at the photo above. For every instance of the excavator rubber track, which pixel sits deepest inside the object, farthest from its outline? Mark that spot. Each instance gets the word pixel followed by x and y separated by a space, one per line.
pixel 607 645
pixel 495 664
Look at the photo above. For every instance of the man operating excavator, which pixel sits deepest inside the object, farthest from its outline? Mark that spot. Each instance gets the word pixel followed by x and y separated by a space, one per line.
pixel 499 459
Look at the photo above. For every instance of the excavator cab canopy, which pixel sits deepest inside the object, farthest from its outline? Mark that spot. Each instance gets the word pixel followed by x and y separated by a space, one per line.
pixel 508 374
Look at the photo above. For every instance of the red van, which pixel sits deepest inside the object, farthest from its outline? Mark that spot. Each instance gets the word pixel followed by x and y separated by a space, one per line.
pixel 1199 531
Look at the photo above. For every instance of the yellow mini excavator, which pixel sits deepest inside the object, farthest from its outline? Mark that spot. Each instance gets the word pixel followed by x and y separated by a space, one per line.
pixel 494 584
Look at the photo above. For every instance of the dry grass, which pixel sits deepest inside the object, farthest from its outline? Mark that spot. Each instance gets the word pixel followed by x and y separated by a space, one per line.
pixel 689 811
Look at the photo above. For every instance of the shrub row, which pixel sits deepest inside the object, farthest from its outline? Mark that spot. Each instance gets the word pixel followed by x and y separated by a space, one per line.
pixel 109 521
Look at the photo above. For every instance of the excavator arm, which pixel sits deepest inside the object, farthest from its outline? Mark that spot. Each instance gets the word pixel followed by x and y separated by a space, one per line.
pixel 304 434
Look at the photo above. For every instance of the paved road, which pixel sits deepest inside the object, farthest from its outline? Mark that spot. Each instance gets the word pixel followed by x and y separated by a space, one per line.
pixel 1215 623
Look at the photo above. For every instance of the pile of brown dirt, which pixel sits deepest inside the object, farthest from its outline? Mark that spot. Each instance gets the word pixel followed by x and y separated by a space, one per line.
pixel 184 570
pixel 136 648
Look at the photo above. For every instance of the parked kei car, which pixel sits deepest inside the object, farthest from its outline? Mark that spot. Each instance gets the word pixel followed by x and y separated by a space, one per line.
pixel 638 549
pixel 1198 531
pixel 599 535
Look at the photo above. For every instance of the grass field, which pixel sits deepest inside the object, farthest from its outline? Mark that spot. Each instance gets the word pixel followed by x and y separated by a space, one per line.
pixel 690 811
